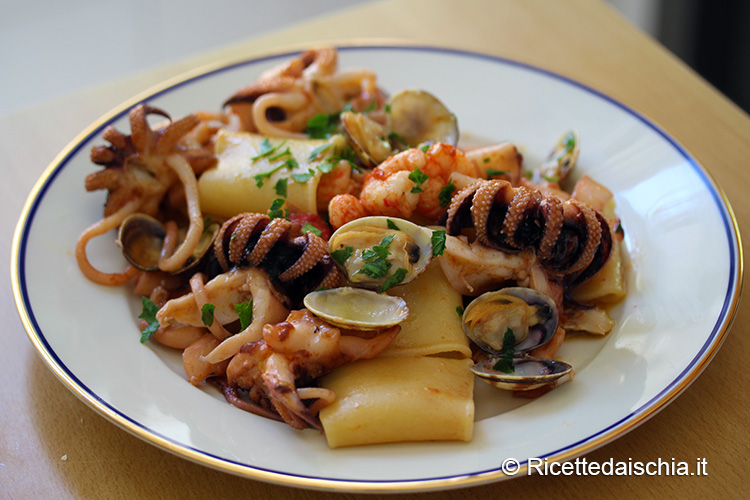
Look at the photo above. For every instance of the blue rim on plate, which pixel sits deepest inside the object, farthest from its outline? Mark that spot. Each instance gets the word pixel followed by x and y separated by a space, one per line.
pixel 601 436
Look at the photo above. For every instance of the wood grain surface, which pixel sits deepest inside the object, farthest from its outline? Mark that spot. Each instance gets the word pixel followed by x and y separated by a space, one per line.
pixel 53 446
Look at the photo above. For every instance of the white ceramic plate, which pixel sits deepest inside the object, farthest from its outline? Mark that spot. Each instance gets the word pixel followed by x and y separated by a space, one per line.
pixel 684 282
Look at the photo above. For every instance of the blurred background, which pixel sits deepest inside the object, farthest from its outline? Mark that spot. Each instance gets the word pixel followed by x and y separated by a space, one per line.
pixel 51 48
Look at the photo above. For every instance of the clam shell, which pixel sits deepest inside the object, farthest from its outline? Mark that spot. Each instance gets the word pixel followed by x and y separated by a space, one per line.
pixel 367 138
pixel 356 308
pixel 529 373
pixel 410 248
pixel 141 238
pixel 419 117
pixel 529 314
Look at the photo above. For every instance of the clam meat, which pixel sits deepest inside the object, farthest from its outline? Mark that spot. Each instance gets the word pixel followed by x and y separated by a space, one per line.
pixel 507 324
pixel 381 251
pixel 356 308
pixel 561 159
pixel 367 138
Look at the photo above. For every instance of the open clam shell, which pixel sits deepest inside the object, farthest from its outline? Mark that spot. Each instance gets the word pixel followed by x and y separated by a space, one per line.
pixel 141 238
pixel 367 138
pixel 528 373
pixel 562 158
pixel 531 316
pixel 419 117
pixel 371 250
pixel 356 308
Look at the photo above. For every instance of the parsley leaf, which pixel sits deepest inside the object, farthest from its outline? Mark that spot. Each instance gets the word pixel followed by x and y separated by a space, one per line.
pixel 259 178
pixel 342 255
pixel 245 312
pixel 460 311
pixel 438 242
pixel 491 172
pixel 446 194
pixel 379 251
pixel 396 278
pixel 322 126
pixel 276 212
pixel 505 362
pixel 392 225
pixel 280 187
pixel 418 178
pixel 424 147
pixel 302 178
pixel 265 150
pixel 316 152
pixel 281 154
pixel 148 314
pixel 309 228
pixel 377 268
pixel 207 314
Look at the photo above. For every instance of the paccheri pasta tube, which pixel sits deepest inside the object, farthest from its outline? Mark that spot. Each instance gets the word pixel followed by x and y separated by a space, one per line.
pixel 251 166
pixel 394 397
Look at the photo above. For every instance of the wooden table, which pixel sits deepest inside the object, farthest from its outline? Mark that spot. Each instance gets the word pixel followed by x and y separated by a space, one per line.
pixel 53 446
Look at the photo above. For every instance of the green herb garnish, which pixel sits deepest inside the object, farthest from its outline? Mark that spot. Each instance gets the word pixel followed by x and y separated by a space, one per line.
pixel 486 160
pixel 342 255
pixel 280 187
pixel 418 178
pixel 446 194
pixel 392 225
pixel 491 172
pixel 438 242
pixel 265 149
pixel 424 147
pixel 309 228
pixel 316 152
pixel 619 229
pixel 302 178
pixel 276 211
pixel 207 314
pixel 396 278
pixel 322 126
pixel 505 362
pixel 550 178
pixel 377 268
pixel 148 314
pixel 460 311
pixel 379 251
pixel 245 312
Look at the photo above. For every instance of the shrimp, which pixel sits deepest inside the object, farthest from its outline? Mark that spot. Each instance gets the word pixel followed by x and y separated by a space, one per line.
pixel 393 189
pixel 344 208
pixel 338 181
pixel 297 351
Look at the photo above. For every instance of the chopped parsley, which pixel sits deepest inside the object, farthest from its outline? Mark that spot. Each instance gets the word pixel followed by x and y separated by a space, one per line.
pixel 348 155
pixel 281 154
pixel 376 259
pixel 148 314
pixel 309 228
pixel 245 312
pixel 342 255
pixel 486 160
pixel 446 194
pixel 395 137
pixel 392 225
pixel 550 178
pixel 418 178
pixel 289 163
pixel 491 172
pixel 505 362
pixel 317 151
pixel 280 187
pixel 266 149
pixel 277 211
pixel 372 107
pixel 396 278
pixel 388 108
pixel 322 126
pixel 302 178
pixel 438 242
pixel 424 147
pixel 460 311
pixel 619 229
pixel 207 314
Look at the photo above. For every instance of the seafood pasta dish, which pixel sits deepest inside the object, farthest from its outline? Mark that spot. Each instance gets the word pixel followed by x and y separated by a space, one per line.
pixel 330 256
